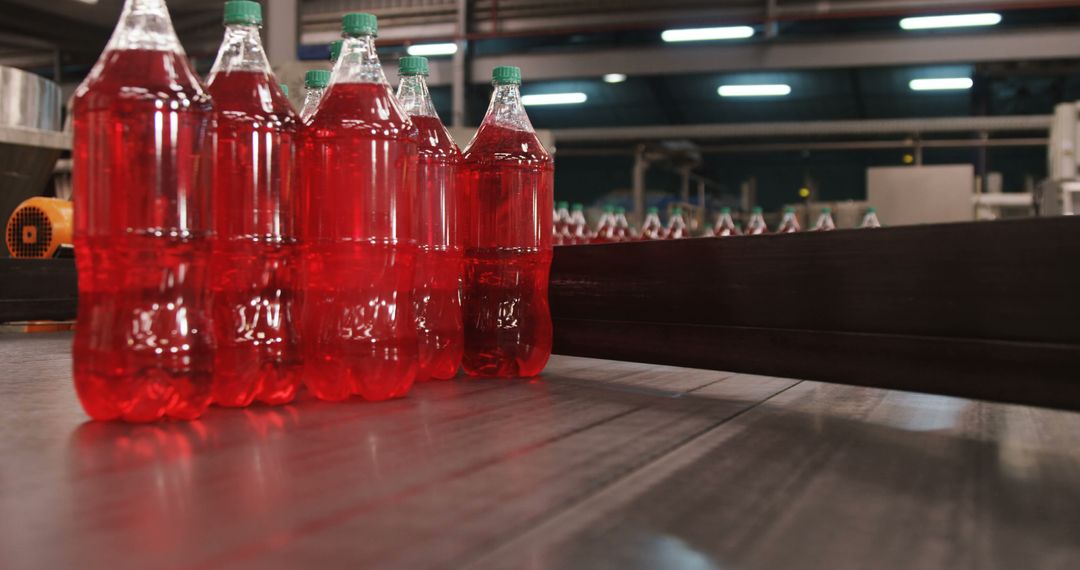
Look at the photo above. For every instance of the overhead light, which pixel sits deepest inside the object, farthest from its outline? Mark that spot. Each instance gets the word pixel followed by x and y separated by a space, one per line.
pixel 704 34
pixel 941 84
pixel 615 78
pixel 775 90
pixel 449 48
pixel 553 99
pixel 951 21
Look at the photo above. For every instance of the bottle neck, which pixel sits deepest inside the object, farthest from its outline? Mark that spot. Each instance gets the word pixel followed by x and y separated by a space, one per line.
pixel 506 109
pixel 358 62
pixel 145 25
pixel 241 50
pixel 415 98
pixel 312 99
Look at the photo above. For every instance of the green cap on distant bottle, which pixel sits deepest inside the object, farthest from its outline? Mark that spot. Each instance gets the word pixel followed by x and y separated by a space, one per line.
pixel 562 205
pixel 620 210
pixel 609 209
pixel 358 24
pixel 578 207
pixel 871 210
pixel 756 210
pixel 317 79
pixel 654 210
pixel 826 210
pixel 725 210
pixel 335 50
pixel 676 212
pixel 789 210
pixel 284 89
pixel 243 12
pixel 412 65
pixel 506 75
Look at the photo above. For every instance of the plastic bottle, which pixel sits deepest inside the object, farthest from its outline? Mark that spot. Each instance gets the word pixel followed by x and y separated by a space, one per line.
pixel 725 226
pixel 824 222
pixel 605 228
pixel 790 222
pixel 870 220
pixel 756 226
pixel 651 228
pixel 579 227
pixel 252 270
pixel 561 226
pixel 316 81
pixel 359 163
pixel 676 227
pixel 335 50
pixel 508 193
pixel 623 231
pixel 437 286
pixel 143 144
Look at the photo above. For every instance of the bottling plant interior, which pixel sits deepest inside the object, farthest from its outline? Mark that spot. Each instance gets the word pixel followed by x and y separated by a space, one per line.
pixel 753 284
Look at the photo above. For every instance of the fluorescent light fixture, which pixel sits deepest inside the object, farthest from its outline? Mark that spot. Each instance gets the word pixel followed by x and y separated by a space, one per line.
pixel 941 84
pixel 432 49
pixel 553 99
pixel 615 78
pixel 704 34
pixel 775 90
pixel 951 21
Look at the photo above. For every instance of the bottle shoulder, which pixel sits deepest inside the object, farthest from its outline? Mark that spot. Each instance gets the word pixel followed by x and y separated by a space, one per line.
pixel 494 144
pixel 364 108
pixel 251 98
pixel 158 79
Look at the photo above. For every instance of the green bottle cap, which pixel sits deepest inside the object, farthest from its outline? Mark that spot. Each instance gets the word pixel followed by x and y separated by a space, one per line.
pixel 317 79
pixel 335 50
pixel 284 89
pixel 562 205
pixel 412 65
pixel 506 75
pixel 579 207
pixel 609 209
pixel 789 210
pixel 243 12
pixel 358 24
pixel 826 210
pixel 756 210
pixel 654 210
pixel 676 212
pixel 620 210
pixel 871 210
pixel 725 210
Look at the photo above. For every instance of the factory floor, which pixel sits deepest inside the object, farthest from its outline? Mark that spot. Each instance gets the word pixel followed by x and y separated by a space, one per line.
pixel 597 464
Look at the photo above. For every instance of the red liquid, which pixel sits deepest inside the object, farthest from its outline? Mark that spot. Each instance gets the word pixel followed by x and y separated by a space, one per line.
pixel 358 257
pixel 437 291
pixel 254 255
pixel 508 192
pixel 142 186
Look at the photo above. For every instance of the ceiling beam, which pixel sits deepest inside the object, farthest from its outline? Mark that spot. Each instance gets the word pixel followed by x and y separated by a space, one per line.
pixel 913 49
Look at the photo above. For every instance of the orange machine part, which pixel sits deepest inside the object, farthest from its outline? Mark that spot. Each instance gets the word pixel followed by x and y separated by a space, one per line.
pixel 39 227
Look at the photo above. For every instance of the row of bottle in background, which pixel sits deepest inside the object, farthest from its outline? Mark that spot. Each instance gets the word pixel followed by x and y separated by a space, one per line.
pixel 230 250
pixel 570 226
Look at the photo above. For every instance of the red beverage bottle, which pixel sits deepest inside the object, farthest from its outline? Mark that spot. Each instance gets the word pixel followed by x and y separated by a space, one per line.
pixel 623 231
pixel 437 287
pixel 142 185
pixel 789 224
pixel 676 228
pixel 359 160
pixel 870 220
pixel 651 228
pixel 825 221
pixel 508 194
pixel 725 226
pixel 605 228
pixel 252 270
pixel 756 225
pixel 579 227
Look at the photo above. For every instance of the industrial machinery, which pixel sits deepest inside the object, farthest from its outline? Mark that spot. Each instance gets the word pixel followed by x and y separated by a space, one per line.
pixel 31 136
pixel 1060 193
pixel 40 228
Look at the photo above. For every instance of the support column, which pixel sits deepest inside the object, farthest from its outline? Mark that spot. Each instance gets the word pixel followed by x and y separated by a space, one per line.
pixel 460 80
pixel 641 166
pixel 282 31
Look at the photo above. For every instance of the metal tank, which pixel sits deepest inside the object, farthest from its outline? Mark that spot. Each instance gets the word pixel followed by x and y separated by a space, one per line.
pixel 31 137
